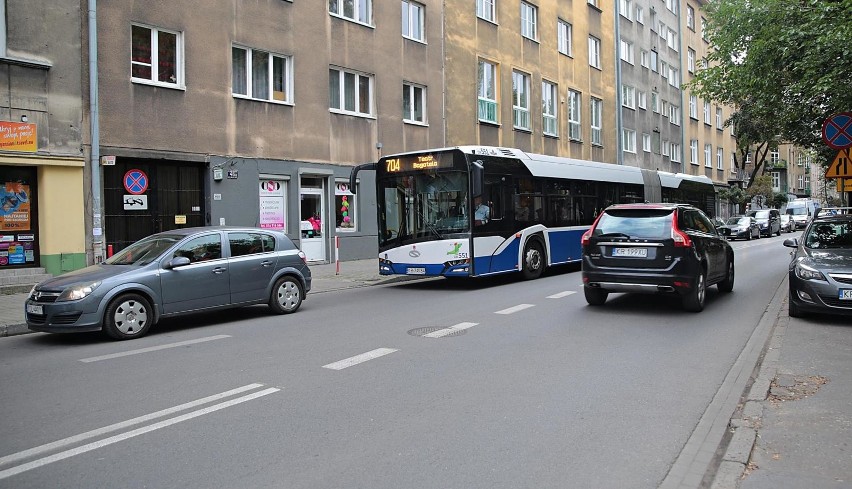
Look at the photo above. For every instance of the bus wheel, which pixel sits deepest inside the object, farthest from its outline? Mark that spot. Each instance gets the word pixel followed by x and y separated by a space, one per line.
pixel 533 263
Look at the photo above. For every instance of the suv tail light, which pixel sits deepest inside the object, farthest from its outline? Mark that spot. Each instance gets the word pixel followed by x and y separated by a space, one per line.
pixel 585 241
pixel 681 239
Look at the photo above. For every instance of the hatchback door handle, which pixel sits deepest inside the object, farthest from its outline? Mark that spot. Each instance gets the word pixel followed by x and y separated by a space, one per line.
pixel 266 263
pixel 219 270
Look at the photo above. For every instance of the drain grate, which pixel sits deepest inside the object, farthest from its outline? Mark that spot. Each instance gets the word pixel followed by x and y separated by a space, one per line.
pixel 432 329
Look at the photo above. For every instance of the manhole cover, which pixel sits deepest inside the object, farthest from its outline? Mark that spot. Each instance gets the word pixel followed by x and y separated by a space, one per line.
pixel 432 329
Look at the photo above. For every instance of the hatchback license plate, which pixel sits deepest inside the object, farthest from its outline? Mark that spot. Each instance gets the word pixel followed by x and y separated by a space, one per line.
pixel 416 271
pixel 845 294
pixel 34 309
pixel 639 252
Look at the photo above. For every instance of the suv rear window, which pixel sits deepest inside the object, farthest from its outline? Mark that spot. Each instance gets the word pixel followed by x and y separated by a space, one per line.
pixel 635 223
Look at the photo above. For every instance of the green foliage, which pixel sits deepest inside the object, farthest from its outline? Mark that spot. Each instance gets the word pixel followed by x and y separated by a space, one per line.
pixel 734 195
pixel 778 200
pixel 761 187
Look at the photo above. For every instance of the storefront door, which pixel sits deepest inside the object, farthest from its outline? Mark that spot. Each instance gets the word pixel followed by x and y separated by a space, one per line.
pixel 313 223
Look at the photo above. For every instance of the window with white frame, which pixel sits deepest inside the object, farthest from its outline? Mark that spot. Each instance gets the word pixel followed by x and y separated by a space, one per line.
pixel 655 102
pixel 720 122
pixel 693 107
pixel 671 39
pixel 628 96
pixel 350 92
pixel 708 149
pixel 413 20
pixel 675 153
pixel 627 51
pixel 748 158
pixel 646 142
pixel 693 151
pixel 776 181
pixel 674 114
pixel 260 75
pixel 345 203
pixel 666 147
pixel 690 17
pixel 594 52
pixel 485 10
pixel 774 156
pixel 664 69
pixel 664 111
pixel 653 20
pixel 690 60
pixel 356 10
pixel 628 140
pixel 662 30
pixel 674 77
pixel 654 60
pixel 521 100
pixel 413 103
pixel 801 180
pixel 549 121
pixel 807 182
pixel 596 106
pixel 719 159
pixel 593 3
pixel 487 91
pixel 733 162
pixel 706 112
pixel 643 58
pixel 574 129
pixel 624 8
pixel 641 99
pixel 640 15
pixel 703 28
pixel 156 56
pixel 672 5
pixel 564 33
pixel 529 21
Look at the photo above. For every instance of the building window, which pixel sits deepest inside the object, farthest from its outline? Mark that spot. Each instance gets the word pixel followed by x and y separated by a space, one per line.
pixel 344 204
pixel 693 107
pixel 666 147
pixel 487 91
pixel 564 32
pixel 719 120
pixel 413 20
pixel 350 92
pixel 674 77
pixel 690 60
pixel 703 28
pixel 640 15
pixel 628 96
pixel 719 159
pixel 529 21
pixel 674 114
pixel 273 204
pixel 596 106
pixel 156 56
pixel 413 103
pixel 628 140
pixel 521 100
pixel 675 153
pixel 641 99
pixel 593 3
pixel 690 17
pixel 260 75
pixel 643 58
pixel 625 7
pixel 671 39
pixel 708 149
pixel 485 9
pixel 594 52
pixel 574 131
pixel 654 60
pixel 655 102
pixel 801 182
pixel 549 121
pixel 356 10
pixel 627 51
pixel 706 112
pixel 646 142
pixel 693 151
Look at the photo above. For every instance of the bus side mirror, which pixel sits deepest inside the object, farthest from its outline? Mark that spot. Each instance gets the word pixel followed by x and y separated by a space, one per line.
pixel 477 176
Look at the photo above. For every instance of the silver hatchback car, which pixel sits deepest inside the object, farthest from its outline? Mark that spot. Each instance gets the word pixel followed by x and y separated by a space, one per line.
pixel 173 273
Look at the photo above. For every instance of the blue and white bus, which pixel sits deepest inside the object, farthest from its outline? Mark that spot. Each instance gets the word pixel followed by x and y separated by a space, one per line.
pixel 431 221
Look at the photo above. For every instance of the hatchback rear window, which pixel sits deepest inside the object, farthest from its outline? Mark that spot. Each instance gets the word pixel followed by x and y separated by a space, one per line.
pixel 644 223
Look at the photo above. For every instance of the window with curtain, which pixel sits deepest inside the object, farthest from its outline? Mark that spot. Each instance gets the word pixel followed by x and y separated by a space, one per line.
pixel 156 56
pixel 413 103
pixel 260 75
pixel 350 92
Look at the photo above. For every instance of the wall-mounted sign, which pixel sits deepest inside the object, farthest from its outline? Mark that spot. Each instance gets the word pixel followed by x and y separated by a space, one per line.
pixel 233 174
pixel 135 202
pixel 18 136
pixel 135 181
pixel 108 160
pixel 180 219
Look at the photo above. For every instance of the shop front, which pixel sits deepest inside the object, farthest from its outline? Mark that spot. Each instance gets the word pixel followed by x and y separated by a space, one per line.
pixel 19 236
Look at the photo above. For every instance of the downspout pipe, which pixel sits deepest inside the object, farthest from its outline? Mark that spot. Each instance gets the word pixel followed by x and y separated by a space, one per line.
pixel 94 121
pixel 619 122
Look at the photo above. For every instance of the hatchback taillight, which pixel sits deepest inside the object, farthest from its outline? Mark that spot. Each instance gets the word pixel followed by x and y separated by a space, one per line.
pixel 681 239
pixel 304 257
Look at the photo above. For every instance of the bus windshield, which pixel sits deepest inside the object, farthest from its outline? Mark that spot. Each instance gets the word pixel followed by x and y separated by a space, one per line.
pixel 422 205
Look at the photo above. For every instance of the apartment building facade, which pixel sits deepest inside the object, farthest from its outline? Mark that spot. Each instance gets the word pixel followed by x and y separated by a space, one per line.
pixel 42 208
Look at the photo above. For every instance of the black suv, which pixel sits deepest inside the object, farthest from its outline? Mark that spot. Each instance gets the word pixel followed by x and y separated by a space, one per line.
pixel 655 248
pixel 769 221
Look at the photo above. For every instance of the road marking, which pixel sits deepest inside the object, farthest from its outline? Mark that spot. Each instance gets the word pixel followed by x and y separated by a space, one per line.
pixel 452 329
pixel 370 355
pixel 514 309
pixel 130 434
pixel 561 294
pixel 154 348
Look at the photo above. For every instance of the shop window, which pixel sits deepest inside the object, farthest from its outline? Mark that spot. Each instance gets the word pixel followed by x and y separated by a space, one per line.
pixel 344 204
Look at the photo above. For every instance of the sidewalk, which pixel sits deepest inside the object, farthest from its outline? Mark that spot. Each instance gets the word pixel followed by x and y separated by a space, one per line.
pixel 325 278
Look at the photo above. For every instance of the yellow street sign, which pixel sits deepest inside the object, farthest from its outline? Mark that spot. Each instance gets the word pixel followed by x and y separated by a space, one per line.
pixel 841 167
pixel 844 184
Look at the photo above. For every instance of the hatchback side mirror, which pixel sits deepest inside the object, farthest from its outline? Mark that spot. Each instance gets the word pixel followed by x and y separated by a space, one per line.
pixel 791 243
pixel 178 261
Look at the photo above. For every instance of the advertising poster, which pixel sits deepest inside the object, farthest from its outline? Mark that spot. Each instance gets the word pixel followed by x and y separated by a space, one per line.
pixel 271 204
pixel 14 207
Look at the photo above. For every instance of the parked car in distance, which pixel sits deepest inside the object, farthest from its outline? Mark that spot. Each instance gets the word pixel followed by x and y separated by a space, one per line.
pixel 820 273
pixel 787 224
pixel 655 248
pixel 173 273
pixel 740 227
pixel 769 221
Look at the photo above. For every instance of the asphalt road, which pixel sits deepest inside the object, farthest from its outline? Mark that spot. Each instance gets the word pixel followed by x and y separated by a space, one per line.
pixel 368 388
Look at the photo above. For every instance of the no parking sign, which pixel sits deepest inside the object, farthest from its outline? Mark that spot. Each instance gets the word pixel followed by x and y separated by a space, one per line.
pixel 135 182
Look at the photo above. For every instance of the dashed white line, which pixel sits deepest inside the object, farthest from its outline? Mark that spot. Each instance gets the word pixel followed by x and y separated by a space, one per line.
pixel 561 294
pixel 514 309
pixel 452 329
pixel 153 348
pixel 370 355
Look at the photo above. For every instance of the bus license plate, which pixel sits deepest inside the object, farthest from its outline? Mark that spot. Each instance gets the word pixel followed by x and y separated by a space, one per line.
pixel 639 252
pixel 415 271
pixel 35 309
pixel 846 294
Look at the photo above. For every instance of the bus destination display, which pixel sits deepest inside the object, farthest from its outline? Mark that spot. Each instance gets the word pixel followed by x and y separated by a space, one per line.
pixel 418 163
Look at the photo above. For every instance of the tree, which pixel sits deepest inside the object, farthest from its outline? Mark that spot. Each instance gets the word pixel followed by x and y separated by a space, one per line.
pixel 785 65
pixel 761 188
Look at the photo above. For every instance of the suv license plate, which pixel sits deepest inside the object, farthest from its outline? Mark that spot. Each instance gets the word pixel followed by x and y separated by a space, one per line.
pixel 416 271
pixel 640 252
pixel 845 294
pixel 35 309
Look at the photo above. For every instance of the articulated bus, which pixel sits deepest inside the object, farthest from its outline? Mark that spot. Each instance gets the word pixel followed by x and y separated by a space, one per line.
pixel 431 219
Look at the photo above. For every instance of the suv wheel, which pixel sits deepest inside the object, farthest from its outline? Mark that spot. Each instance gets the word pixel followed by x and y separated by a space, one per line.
pixel 727 284
pixel 595 296
pixel 693 300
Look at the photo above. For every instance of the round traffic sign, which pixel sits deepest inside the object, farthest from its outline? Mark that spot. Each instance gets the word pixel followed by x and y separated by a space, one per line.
pixel 136 182
pixel 837 130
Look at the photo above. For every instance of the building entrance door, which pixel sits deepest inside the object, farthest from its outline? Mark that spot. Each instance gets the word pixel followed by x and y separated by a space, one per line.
pixel 313 224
